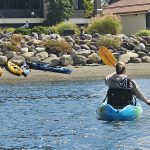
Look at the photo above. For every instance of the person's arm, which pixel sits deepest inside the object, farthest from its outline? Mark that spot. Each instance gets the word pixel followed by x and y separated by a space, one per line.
pixel 108 78
pixel 138 93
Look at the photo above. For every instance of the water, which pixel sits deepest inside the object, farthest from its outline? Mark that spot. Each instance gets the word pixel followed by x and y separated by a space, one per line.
pixel 62 116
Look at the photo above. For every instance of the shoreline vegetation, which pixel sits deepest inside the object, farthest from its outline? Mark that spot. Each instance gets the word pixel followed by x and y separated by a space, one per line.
pixel 80 73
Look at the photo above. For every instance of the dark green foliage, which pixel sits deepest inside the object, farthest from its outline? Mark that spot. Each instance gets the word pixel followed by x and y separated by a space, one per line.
pixel 40 29
pixel 23 31
pixel 88 8
pixel 59 10
pixel 37 29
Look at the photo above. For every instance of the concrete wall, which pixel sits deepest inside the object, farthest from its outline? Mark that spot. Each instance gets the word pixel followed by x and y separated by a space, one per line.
pixel 133 23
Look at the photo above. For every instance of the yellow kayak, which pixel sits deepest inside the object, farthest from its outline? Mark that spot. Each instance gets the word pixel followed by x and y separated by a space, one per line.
pixel 14 68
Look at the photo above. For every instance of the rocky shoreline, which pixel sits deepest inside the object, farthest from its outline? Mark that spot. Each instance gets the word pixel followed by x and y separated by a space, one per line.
pixel 19 48
pixel 80 73
pixel 83 58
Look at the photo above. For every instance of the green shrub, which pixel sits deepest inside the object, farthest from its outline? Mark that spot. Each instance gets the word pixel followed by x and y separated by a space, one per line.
pixel 143 33
pixel 59 28
pixel 55 47
pixel 23 31
pixel 109 24
pixel 109 42
pixel 53 29
pixel 88 8
pixel 40 29
pixel 8 30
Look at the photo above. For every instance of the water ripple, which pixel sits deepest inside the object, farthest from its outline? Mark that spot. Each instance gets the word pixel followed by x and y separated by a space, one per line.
pixel 54 116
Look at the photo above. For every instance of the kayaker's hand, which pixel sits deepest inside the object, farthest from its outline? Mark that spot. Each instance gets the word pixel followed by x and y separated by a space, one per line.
pixel 148 102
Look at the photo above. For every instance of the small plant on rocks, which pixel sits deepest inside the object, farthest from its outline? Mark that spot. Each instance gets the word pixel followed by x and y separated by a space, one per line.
pixel 109 42
pixel 59 28
pixel 55 47
pixel 143 33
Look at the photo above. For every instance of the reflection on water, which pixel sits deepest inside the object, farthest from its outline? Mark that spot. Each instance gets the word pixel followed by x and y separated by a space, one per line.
pixel 62 116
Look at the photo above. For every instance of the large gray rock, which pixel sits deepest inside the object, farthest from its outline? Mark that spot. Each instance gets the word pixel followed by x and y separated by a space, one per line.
pixel 80 60
pixel 42 55
pixel 10 54
pixel 35 35
pixel 84 52
pixel 24 50
pixel 146 59
pixel 27 37
pixel 96 36
pixel 1 53
pixel 52 59
pixel 85 47
pixel 141 54
pixel 142 45
pixel 66 60
pixel 77 47
pixel 135 60
pixel 40 49
pixel 33 59
pixel 69 39
pixel 3 60
pixel 93 47
pixel 88 37
pixel 55 36
pixel 61 53
pixel 94 58
pixel 126 57
pixel 44 37
pixel 29 54
pixel 18 60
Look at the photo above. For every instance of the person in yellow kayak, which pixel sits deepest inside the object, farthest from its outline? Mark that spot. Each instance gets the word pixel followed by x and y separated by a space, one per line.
pixel 119 84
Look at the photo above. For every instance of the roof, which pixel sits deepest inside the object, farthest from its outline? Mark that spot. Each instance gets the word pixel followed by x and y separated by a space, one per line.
pixel 128 6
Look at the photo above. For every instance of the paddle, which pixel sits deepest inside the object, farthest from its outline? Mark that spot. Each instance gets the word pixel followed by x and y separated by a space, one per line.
pixel 1 72
pixel 107 57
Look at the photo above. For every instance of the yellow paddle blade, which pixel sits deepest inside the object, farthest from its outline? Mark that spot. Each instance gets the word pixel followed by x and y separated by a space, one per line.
pixel 107 57
pixel 1 72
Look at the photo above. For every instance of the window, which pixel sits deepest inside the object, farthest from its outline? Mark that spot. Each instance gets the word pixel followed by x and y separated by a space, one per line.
pixel 148 20
pixel 2 5
pixel 81 4
pixel 19 4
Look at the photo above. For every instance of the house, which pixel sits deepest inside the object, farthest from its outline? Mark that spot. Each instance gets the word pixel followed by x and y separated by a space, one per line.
pixel 19 12
pixel 135 14
pixel 79 11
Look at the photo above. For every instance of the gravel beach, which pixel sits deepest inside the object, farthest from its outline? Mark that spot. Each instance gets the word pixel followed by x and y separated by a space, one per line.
pixel 80 73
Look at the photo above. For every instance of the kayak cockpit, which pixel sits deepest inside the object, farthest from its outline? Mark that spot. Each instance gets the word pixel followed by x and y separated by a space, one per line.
pixel 122 106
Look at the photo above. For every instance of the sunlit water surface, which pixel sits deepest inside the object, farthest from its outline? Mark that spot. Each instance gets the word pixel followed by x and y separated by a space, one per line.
pixel 62 116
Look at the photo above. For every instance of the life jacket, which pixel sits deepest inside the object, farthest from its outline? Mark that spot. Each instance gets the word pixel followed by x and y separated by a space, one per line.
pixel 120 97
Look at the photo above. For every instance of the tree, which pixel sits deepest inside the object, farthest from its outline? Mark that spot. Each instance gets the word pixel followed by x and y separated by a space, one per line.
pixel 89 6
pixel 59 10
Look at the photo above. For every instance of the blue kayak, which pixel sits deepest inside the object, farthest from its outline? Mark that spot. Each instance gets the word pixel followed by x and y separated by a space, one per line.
pixel 129 113
pixel 48 67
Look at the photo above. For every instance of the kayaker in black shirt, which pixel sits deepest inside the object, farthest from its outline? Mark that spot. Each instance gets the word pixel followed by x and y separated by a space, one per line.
pixel 119 79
